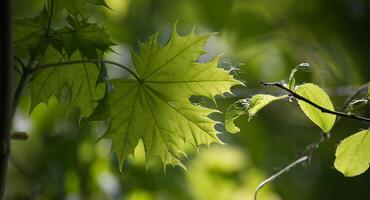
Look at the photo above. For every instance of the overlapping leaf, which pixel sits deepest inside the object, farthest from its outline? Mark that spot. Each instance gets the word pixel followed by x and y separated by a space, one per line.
pixel 27 34
pixel 88 38
pixel 81 81
pixel 156 108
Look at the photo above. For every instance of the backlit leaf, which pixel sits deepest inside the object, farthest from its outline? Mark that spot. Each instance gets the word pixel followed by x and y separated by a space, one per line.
pixel 156 108
pixel 315 94
pixel 353 154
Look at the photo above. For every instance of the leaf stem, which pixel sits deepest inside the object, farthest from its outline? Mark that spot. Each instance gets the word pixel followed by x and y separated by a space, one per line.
pixel 322 109
pixel 73 62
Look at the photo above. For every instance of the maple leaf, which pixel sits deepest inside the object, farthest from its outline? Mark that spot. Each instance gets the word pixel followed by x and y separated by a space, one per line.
pixel 81 81
pixel 156 108
pixel 28 32
pixel 88 38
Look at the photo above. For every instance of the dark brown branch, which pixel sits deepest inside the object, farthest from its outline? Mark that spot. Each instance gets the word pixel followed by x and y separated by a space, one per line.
pixel 322 109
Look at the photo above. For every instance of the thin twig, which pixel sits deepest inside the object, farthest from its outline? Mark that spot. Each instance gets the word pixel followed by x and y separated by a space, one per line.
pixel 362 88
pixel 274 176
pixel 19 60
pixel 60 64
pixel 322 109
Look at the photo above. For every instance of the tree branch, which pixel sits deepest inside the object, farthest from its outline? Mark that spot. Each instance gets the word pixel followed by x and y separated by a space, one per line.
pixel 322 109
pixel 61 64
pixel 311 147
pixel 6 89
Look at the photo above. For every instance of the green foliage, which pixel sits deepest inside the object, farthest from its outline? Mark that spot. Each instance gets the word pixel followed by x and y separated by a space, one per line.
pixel 89 39
pixel 259 101
pixel 315 94
pixel 157 108
pixel 353 154
pixel 234 111
pixel 79 83
pixel 27 34
pixel 75 7
pixel 247 106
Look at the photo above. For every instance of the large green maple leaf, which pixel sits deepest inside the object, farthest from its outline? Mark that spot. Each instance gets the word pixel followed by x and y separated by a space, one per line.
pixel 156 108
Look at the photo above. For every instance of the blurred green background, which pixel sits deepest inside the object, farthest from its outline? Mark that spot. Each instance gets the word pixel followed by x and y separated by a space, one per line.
pixel 262 40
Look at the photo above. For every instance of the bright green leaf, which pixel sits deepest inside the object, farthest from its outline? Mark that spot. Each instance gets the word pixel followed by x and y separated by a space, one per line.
pixel 157 108
pixel 259 101
pixel 315 94
pixel 81 80
pixel 233 112
pixel 353 154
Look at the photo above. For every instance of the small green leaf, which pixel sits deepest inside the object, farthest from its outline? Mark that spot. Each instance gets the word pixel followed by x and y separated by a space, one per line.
pixel 259 101
pixel 315 94
pixel 291 83
pixel 233 112
pixel 353 154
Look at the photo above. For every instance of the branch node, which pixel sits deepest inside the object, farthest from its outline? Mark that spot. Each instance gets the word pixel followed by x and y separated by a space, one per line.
pixel 19 135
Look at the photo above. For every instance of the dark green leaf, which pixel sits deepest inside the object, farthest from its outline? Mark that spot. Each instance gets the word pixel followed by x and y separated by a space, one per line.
pixel 234 111
pixel 89 39
pixel 80 80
